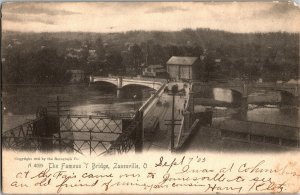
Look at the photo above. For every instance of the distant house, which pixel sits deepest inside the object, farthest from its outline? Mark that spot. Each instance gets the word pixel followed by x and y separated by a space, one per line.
pixel 218 60
pixel 155 71
pixel 293 81
pixel 181 67
pixel 92 57
pixel 77 75
pixel 74 53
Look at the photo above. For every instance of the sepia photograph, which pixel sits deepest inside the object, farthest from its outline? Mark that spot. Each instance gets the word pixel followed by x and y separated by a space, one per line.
pixel 98 79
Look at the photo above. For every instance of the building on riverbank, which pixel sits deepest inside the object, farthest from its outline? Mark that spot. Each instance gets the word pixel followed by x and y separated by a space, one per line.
pixel 155 71
pixel 77 75
pixel 183 67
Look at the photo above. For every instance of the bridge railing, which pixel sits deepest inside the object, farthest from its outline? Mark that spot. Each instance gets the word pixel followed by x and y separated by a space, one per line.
pixel 185 140
pixel 93 135
pixel 156 80
pixel 251 131
pixel 17 137
pixel 152 98
pixel 232 82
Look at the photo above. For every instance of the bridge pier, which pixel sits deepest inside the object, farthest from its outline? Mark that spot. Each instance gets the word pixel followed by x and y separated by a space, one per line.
pixel 119 82
pixel 119 86
pixel 119 93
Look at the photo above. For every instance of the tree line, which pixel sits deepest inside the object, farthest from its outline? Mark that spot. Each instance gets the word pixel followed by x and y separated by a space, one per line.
pixel 43 58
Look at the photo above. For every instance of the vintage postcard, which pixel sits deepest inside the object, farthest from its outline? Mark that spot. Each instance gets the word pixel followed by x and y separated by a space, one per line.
pixel 150 97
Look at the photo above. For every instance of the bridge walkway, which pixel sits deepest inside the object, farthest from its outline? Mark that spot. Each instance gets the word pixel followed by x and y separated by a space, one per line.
pixel 160 138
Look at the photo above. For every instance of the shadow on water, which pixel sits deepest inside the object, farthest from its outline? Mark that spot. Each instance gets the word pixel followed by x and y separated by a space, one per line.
pixel 262 107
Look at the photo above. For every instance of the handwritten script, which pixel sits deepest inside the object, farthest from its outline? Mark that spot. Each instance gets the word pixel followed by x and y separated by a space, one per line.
pixel 159 174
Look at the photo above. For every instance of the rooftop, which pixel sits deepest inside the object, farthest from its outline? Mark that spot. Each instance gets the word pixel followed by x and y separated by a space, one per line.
pixel 155 66
pixel 182 60
pixel 75 71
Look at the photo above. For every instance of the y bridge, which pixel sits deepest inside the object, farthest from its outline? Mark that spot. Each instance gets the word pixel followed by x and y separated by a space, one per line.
pixel 290 93
pixel 121 82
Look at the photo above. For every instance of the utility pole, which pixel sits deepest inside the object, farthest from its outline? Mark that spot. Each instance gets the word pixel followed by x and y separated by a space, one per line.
pixel 174 91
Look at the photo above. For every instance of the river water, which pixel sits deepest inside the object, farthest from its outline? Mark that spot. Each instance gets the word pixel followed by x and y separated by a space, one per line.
pixel 21 105
pixel 93 101
pixel 268 113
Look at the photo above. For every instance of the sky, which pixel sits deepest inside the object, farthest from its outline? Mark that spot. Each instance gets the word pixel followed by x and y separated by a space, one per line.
pixel 165 16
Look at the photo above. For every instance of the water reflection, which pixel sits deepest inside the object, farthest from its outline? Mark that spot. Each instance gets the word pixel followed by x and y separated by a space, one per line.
pixel 222 95
pixel 284 116
pixel 95 109
pixel 274 113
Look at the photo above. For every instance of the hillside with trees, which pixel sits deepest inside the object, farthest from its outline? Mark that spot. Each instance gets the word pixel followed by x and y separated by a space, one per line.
pixel 46 57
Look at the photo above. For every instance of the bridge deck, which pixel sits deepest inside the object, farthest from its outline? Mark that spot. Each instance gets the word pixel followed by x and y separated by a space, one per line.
pixel 120 82
pixel 160 139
